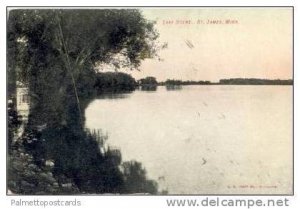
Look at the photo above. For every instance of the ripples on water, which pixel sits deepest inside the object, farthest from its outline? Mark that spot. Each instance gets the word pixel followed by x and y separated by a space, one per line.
pixel 204 139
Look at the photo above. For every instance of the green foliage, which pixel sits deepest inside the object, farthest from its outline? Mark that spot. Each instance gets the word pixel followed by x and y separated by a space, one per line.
pixel 52 49
pixel 114 82
pixel 29 173
pixel 171 82
pixel 90 36
pixel 254 81
pixel 55 52
pixel 148 84
pixel 85 83
pixel 14 122
pixel 136 180
pixel 148 81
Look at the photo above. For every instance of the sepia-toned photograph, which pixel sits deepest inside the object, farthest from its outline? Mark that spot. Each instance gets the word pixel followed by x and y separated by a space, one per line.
pixel 149 101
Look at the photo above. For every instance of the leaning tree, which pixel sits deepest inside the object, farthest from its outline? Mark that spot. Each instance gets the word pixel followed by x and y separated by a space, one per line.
pixel 52 51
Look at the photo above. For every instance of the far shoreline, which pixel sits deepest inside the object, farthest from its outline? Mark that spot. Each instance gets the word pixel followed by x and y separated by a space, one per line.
pixel 230 81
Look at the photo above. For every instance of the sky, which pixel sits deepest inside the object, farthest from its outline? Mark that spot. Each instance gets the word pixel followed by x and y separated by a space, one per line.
pixel 257 43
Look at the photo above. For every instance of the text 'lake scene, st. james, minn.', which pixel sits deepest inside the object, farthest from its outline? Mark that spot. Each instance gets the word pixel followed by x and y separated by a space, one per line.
pixel 150 101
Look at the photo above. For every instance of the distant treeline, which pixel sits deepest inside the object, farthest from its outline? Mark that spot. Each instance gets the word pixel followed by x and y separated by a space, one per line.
pixel 148 84
pixel 114 82
pixel 230 81
pixel 180 82
pixel 148 81
pixel 254 81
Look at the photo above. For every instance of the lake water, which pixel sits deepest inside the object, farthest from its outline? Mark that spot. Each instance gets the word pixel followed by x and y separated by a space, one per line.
pixel 204 139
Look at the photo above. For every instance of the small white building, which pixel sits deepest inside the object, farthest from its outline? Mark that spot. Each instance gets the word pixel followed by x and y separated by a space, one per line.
pixel 22 99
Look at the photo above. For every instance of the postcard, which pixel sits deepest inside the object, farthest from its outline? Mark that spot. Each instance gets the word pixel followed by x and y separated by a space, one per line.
pixel 150 101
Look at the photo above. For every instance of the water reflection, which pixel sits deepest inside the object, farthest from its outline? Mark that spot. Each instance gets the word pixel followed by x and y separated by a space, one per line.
pixel 113 96
pixel 148 88
pixel 194 140
pixel 173 87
